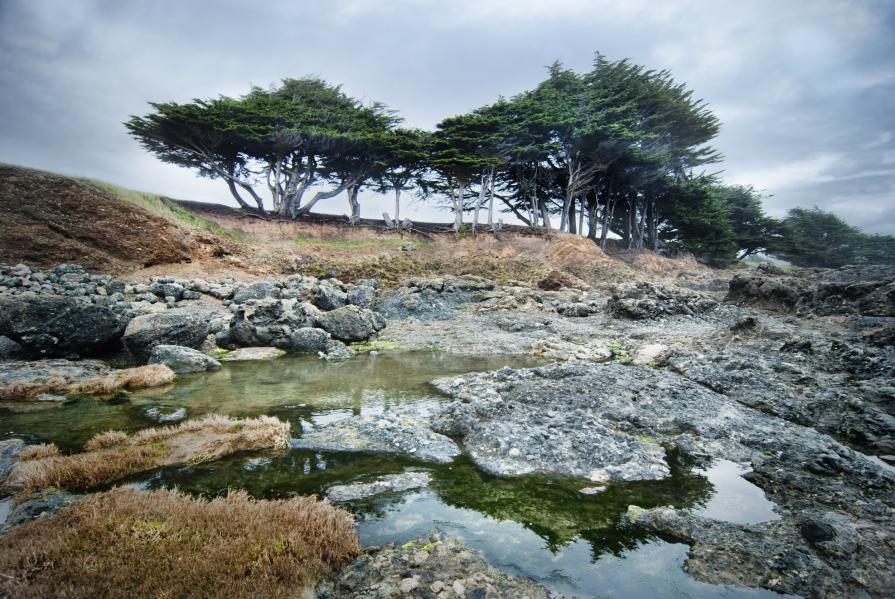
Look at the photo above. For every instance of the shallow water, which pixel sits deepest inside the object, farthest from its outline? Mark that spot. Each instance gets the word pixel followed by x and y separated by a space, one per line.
pixel 535 526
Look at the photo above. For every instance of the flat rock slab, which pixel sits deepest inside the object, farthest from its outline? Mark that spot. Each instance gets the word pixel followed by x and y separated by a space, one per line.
pixel 253 353
pixel 390 433
pixel 19 379
pixel 437 566
pixel 182 359
pixel 390 483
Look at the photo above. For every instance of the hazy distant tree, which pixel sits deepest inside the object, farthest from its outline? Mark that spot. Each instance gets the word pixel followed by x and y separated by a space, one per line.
pixel 754 231
pixel 815 238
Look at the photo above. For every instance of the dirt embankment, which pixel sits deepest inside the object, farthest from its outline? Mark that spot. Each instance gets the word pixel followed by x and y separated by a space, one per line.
pixel 47 219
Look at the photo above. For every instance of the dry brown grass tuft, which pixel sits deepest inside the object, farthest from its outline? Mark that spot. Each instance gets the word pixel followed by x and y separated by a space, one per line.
pixel 37 452
pixel 151 375
pixel 129 543
pixel 105 440
pixel 112 455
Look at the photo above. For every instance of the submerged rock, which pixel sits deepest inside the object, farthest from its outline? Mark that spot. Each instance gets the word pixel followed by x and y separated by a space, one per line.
pixel 437 566
pixel 389 433
pixel 182 359
pixel 253 353
pixel 390 483
pixel 56 326
pixel 163 414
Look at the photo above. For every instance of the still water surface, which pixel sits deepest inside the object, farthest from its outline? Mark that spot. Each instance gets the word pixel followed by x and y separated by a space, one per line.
pixel 540 527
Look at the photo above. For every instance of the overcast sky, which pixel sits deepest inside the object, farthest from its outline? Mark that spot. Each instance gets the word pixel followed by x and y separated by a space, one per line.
pixel 805 90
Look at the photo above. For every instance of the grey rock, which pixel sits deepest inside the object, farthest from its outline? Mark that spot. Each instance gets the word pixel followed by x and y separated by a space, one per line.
pixel 253 353
pixel 648 300
pixel 390 433
pixel 434 566
pixel 363 296
pixel 165 290
pixel 57 326
pixel 865 290
pixel 9 453
pixel 182 359
pixel 351 323
pixel 258 290
pixel 390 483
pixel 186 326
pixel 327 297
pixel 308 339
pixel 165 414
pixel 40 504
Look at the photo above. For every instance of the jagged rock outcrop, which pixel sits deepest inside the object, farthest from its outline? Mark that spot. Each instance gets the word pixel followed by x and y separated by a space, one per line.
pixel 649 300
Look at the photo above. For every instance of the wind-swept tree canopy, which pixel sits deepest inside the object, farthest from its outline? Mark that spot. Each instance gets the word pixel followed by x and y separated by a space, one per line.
pixel 612 152
pixel 290 138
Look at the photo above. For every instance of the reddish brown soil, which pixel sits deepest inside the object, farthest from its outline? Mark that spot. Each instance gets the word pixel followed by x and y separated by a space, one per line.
pixel 48 219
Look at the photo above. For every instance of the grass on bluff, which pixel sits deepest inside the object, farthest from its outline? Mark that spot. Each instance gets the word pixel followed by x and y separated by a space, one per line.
pixel 349 244
pixel 130 543
pixel 165 208
pixel 113 455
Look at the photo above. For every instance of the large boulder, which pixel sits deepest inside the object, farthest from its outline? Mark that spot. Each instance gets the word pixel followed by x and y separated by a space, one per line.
pixel 270 322
pixel 308 339
pixel 182 359
pixel 351 323
pixel 54 325
pixel 258 290
pixel 363 296
pixel 329 297
pixel 187 326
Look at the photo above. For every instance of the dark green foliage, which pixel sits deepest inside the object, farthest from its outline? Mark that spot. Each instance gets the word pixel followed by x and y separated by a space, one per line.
pixel 699 222
pixel 814 238
pixel 301 134
pixel 612 150
pixel 753 230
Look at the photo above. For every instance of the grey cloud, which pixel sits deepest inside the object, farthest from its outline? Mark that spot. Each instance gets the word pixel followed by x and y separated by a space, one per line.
pixel 806 90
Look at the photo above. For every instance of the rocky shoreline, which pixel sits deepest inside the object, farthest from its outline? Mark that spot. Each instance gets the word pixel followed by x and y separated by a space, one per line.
pixel 791 373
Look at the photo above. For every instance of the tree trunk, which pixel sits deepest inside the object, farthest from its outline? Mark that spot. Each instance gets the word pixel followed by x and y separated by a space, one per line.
pixel 235 193
pixel 545 215
pixel 483 185
pixel 592 203
pixel 354 204
pixel 457 202
pixel 397 205
pixel 491 201
pixel 571 223
pixel 607 215
pixel 581 217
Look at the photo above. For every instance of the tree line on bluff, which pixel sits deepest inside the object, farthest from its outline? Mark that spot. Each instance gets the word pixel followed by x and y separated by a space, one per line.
pixel 615 149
